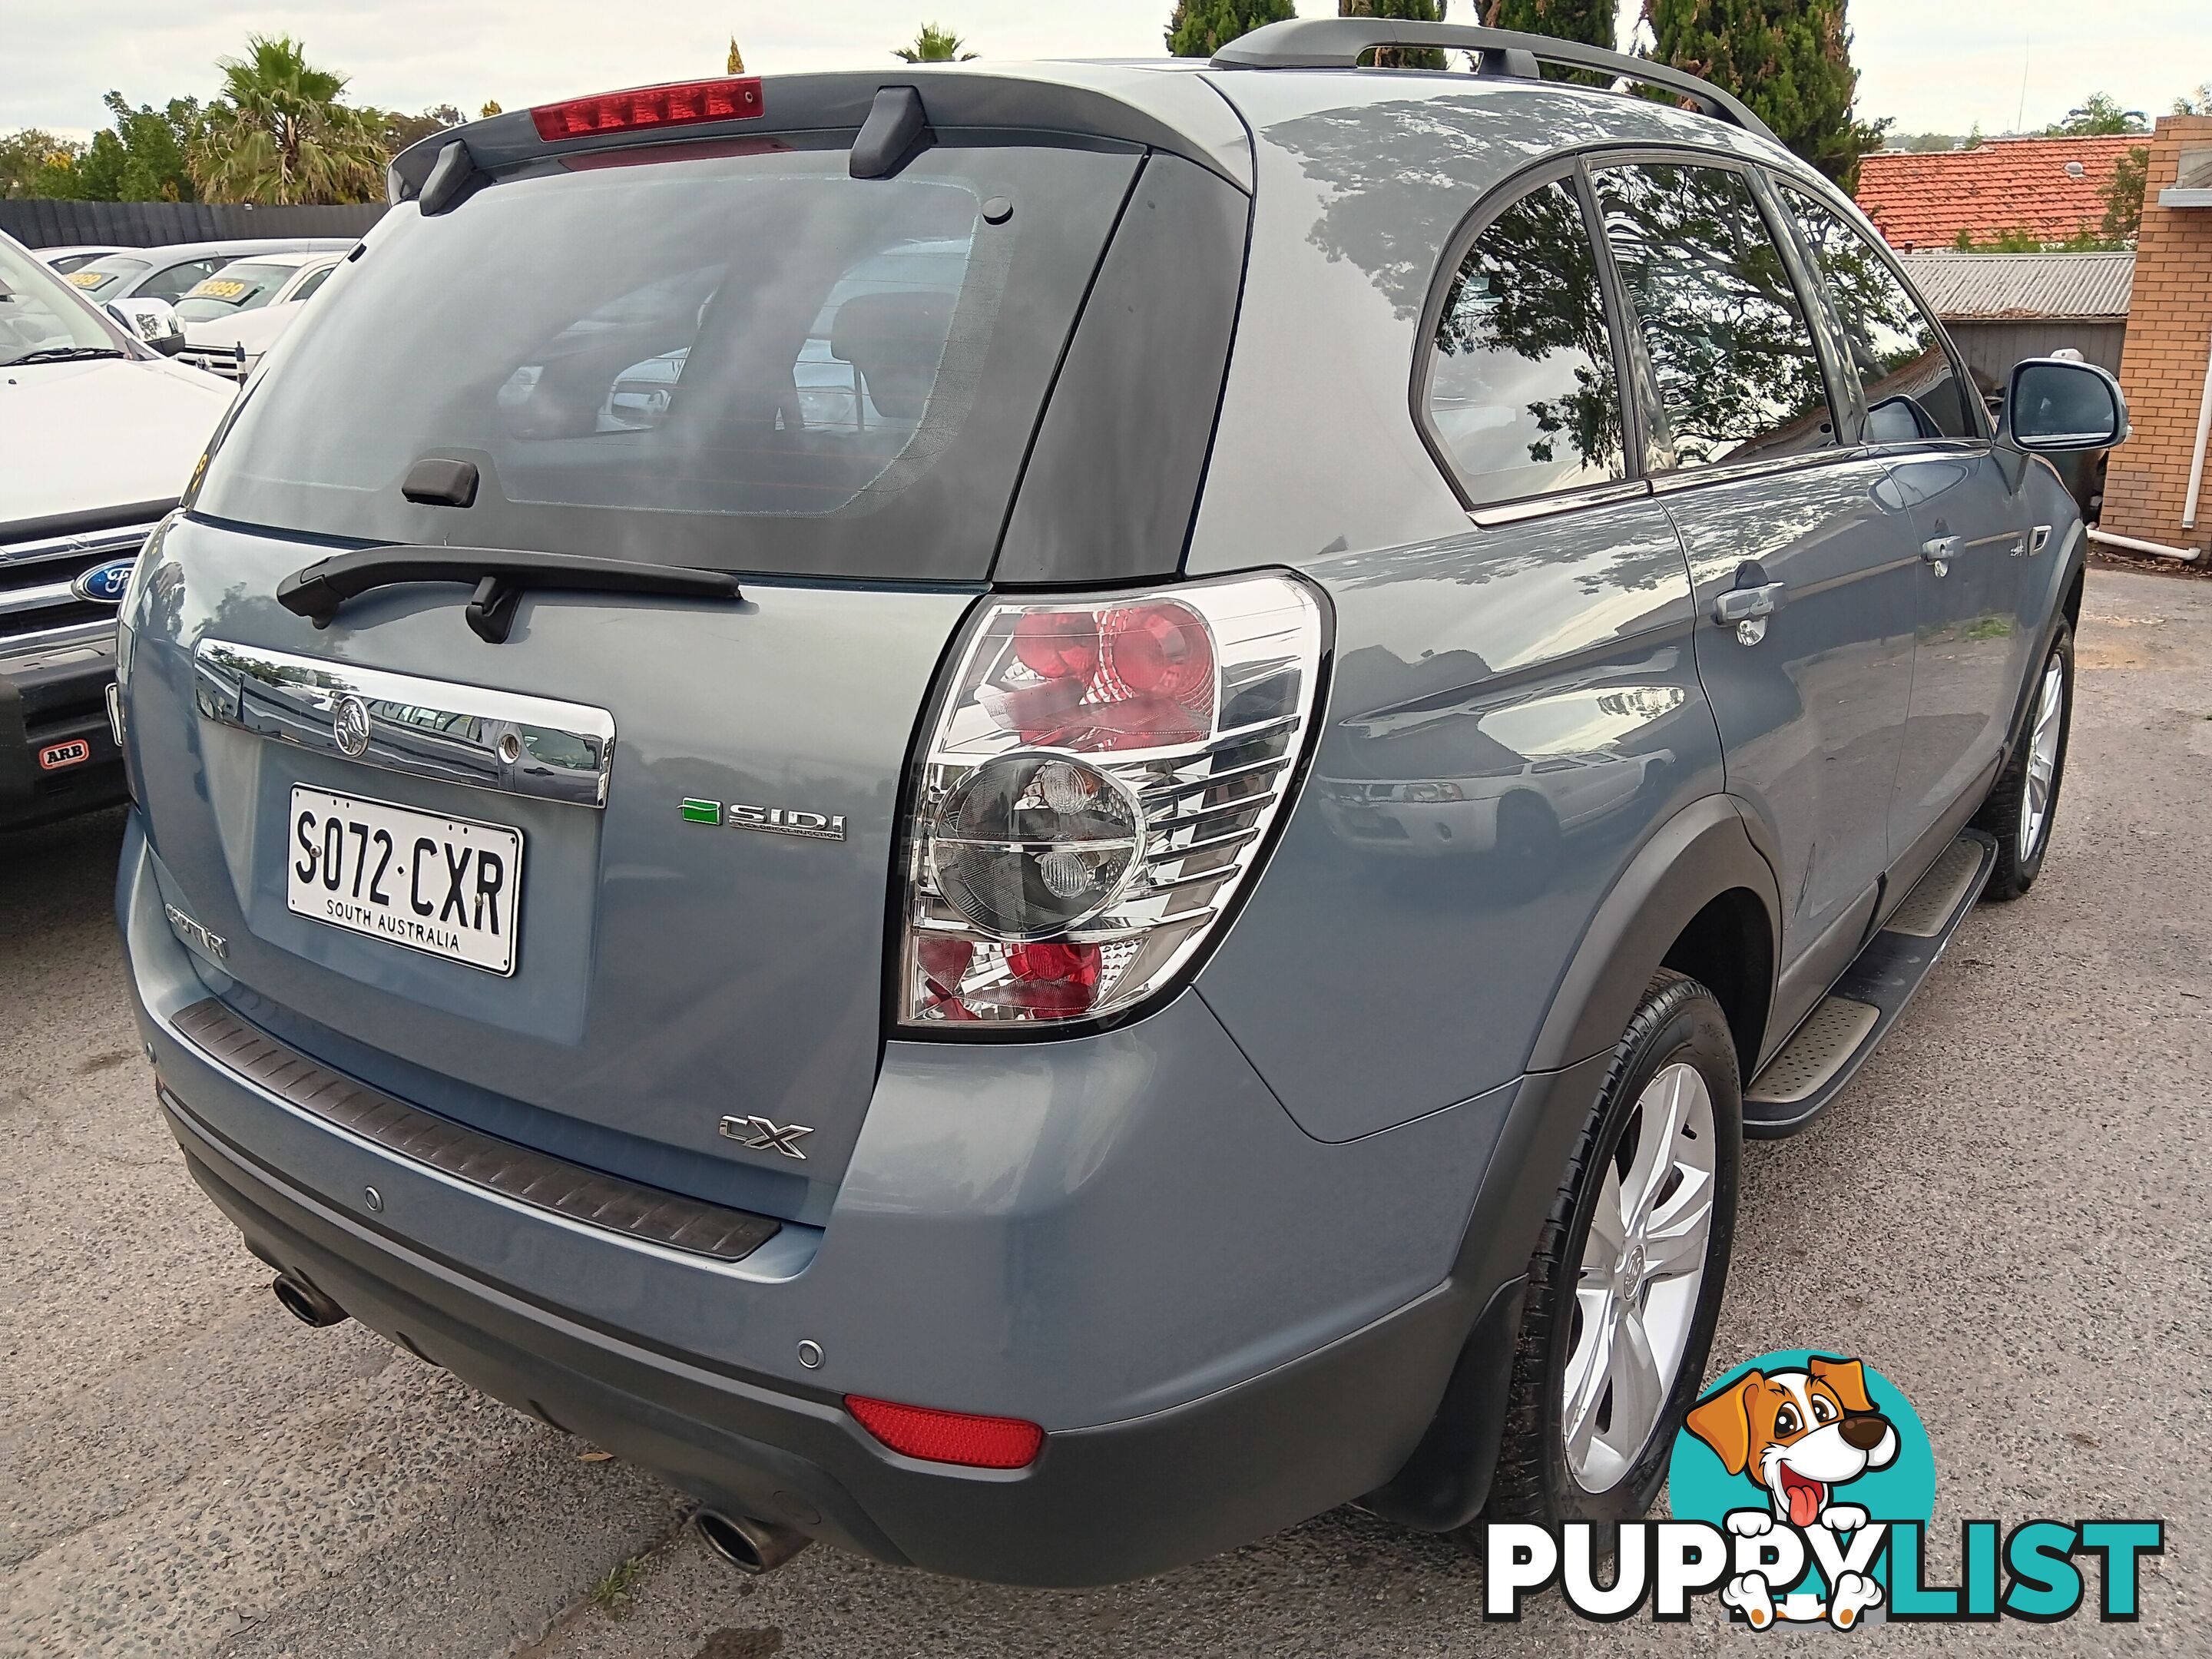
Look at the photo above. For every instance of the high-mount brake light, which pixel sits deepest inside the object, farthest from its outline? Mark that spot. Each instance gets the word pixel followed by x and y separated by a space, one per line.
pixel 1101 781
pixel 679 104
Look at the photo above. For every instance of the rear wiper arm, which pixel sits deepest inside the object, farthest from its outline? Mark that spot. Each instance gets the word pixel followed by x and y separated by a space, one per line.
pixel 500 578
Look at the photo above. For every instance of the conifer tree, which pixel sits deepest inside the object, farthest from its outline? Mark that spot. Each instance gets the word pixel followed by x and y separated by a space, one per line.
pixel 1790 60
pixel 1591 22
pixel 1198 29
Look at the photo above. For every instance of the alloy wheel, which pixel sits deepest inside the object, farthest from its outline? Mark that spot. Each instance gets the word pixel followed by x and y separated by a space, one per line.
pixel 2042 759
pixel 1643 1268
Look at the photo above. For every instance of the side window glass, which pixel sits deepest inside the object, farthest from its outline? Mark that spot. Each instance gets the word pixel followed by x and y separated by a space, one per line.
pixel 307 289
pixel 1913 391
pixel 1521 388
pixel 1739 375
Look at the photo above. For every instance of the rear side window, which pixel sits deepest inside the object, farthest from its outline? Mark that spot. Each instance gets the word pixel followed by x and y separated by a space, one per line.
pixel 1738 377
pixel 1913 389
pixel 1521 394
pixel 750 361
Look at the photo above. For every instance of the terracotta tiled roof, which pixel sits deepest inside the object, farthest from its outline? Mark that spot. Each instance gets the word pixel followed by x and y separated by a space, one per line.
pixel 2005 184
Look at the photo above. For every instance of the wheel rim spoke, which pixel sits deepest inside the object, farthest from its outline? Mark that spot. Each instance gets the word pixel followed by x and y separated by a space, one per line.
pixel 1639 1393
pixel 1589 1368
pixel 1674 1243
pixel 2042 758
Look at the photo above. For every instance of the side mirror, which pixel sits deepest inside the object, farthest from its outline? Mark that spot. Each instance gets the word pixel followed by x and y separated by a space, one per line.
pixel 153 321
pixel 2056 405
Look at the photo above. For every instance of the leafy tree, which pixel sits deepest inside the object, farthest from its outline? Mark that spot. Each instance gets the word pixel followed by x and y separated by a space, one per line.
pixel 279 134
pixel 490 108
pixel 142 158
pixel 1591 22
pixel 2124 195
pixel 1412 11
pixel 2194 103
pixel 1198 29
pixel 1790 60
pixel 401 130
pixel 933 46
pixel 736 63
pixel 35 163
pixel 2097 114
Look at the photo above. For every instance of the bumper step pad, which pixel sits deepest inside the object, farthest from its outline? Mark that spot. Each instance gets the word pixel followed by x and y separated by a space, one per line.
pixel 517 1173
pixel 1849 1023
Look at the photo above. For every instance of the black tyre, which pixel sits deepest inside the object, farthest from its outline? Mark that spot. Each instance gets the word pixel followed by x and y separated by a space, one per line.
pixel 2024 801
pixel 1627 1280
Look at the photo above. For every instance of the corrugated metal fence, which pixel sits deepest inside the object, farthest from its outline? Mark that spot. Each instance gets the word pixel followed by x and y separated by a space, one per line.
pixel 153 224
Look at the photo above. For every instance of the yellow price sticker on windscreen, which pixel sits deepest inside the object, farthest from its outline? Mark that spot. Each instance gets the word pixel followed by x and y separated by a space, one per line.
pixel 88 278
pixel 217 288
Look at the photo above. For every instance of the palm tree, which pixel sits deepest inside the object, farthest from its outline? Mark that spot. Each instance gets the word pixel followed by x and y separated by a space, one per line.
pixel 933 46
pixel 278 134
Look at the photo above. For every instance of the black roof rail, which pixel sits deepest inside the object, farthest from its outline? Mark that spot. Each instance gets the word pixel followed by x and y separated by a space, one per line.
pixel 1339 42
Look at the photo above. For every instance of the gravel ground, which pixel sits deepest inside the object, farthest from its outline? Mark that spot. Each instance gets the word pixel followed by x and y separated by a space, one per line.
pixel 2006 1213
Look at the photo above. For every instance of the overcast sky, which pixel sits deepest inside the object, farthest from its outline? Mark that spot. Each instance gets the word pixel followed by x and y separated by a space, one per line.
pixel 1936 65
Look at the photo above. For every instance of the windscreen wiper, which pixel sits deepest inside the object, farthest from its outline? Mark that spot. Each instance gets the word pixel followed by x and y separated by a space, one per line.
pixel 65 354
pixel 501 578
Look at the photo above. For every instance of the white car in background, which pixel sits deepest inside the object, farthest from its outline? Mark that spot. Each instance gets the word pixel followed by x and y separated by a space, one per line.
pixel 234 317
pixel 99 435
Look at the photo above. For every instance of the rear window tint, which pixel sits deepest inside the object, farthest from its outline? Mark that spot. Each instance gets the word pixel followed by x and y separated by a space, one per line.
pixel 1521 393
pixel 753 360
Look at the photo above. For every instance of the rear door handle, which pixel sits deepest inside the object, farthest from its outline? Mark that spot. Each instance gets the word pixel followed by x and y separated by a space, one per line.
pixel 1743 605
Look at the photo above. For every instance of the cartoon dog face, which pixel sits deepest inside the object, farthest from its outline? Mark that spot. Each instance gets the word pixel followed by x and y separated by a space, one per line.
pixel 1799 1434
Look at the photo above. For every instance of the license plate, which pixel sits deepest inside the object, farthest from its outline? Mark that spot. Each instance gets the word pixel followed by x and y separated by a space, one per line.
pixel 448 887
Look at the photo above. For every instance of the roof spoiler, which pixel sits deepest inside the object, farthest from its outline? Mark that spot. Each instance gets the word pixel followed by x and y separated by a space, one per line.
pixel 1340 42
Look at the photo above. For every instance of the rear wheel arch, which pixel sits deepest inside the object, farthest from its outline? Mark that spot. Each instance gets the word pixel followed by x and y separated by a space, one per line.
pixel 1698 897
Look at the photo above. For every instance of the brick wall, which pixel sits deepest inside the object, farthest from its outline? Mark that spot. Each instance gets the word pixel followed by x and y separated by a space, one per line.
pixel 2162 368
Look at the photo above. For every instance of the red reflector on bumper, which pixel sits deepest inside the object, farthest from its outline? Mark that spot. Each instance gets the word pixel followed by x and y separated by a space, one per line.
pixel 682 104
pixel 979 1442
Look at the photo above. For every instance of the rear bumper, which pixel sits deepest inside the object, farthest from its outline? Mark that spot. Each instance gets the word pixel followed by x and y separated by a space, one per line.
pixel 1100 1504
pixel 51 701
pixel 1224 1325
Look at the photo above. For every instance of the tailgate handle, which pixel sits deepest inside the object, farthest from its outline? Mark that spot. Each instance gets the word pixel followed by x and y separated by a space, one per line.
pixel 317 591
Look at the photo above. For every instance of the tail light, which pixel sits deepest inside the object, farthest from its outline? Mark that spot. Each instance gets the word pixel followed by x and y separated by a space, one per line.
pixel 1101 781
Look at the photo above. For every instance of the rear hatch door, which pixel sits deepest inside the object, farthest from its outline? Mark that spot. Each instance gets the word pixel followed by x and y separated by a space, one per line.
pixel 614 887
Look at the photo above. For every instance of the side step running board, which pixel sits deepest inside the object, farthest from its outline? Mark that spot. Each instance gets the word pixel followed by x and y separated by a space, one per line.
pixel 1849 1023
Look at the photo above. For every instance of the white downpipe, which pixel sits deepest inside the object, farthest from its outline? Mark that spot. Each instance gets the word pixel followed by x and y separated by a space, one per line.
pixel 2186 554
pixel 2197 460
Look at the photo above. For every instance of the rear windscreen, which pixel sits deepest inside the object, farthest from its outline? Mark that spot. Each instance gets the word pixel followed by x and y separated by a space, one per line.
pixel 750 361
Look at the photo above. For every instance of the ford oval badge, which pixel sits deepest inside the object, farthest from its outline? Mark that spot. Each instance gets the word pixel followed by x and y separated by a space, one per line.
pixel 104 583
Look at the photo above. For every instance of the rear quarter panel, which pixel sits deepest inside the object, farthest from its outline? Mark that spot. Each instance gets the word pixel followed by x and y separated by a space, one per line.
pixel 1367 985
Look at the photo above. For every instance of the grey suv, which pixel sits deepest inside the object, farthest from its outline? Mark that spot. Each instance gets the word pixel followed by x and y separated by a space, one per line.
pixel 777 776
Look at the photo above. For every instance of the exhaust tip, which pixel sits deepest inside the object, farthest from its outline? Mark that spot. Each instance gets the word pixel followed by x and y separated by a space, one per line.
pixel 304 1302
pixel 750 1545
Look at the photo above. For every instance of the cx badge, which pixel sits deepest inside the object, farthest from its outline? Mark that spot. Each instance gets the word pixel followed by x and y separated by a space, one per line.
pixel 763 1134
